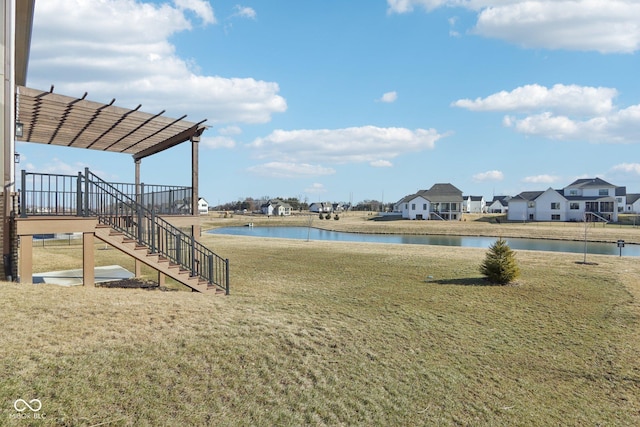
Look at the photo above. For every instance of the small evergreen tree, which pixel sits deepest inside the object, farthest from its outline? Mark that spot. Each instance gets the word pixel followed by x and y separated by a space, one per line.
pixel 500 265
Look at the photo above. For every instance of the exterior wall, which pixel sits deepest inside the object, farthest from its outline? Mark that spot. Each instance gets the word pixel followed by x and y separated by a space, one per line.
pixel 590 191
pixel 519 210
pixel 575 214
pixel 418 208
pixel 3 276
pixel 497 207
pixel 477 206
pixel 543 209
pixel 203 207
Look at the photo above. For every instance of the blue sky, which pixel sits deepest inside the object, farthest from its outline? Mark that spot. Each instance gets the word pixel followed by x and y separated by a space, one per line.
pixel 353 100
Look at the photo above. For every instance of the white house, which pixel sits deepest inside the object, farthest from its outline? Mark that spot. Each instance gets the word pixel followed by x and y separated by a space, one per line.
pixel 499 204
pixel 441 201
pixel 276 207
pixel 592 198
pixel 203 206
pixel 633 203
pixel 474 204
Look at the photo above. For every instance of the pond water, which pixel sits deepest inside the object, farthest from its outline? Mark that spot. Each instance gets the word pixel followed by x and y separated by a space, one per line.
pixel 307 233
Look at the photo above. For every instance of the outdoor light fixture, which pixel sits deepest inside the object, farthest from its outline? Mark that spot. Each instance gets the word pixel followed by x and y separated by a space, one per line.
pixel 16 157
pixel 19 128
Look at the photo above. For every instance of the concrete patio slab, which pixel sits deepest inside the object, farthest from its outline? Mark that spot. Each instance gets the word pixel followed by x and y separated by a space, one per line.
pixel 74 277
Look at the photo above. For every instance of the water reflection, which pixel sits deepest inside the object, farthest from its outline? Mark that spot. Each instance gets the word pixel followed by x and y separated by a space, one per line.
pixel 465 241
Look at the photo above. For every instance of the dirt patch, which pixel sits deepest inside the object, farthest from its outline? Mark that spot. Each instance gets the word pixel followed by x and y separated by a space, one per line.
pixel 134 283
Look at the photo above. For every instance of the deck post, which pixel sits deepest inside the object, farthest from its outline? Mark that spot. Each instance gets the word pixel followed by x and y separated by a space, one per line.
pixel 26 259
pixel 88 259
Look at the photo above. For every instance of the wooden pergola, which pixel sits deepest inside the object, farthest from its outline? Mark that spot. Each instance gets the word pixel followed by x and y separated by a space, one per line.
pixel 53 119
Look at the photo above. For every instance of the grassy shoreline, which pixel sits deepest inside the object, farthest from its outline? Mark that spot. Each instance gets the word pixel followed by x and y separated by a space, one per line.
pixel 332 333
pixel 472 225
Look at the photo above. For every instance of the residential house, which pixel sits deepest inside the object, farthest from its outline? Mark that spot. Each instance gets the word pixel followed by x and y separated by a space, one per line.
pixel 590 198
pixel 499 204
pixel 276 207
pixel 321 207
pixel 633 203
pixel 441 201
pixel 203 206
pixel 474 204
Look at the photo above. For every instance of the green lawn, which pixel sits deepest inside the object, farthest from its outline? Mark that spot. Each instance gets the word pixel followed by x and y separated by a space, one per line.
pixel 328 333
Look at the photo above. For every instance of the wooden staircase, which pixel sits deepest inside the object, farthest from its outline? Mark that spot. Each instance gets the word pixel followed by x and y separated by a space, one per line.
pixel 142 253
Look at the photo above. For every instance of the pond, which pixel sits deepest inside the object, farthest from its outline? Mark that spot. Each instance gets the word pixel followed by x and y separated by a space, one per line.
pixel 306 233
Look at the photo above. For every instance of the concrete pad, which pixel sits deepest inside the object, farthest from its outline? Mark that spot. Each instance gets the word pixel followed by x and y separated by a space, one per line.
pixel 107 273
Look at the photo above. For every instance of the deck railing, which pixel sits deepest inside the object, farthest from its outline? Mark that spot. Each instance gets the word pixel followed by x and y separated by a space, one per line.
pixel 55 194
pixel 88 195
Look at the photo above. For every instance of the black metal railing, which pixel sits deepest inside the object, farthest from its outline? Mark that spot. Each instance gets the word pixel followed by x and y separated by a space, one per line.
pixel 88 195
pixel 54 194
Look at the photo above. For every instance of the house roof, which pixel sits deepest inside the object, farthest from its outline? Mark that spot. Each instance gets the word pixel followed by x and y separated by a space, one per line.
pixel 590 182
pixel 632 198
pixel 443 193
pixel 54 119
pixel 528 195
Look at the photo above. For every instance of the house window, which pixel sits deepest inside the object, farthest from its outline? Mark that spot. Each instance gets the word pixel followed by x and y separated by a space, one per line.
pixel 532 204
pixel 555 217
pixel 454 206
pixel 413 206
pixel 406 205
pixel 424 207
pixel 574 206
pixel 603 192
pixel 606 207
pixel 573 192
pixel 555 206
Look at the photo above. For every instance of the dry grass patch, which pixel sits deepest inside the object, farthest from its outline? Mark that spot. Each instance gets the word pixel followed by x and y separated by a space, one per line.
pixel 334 334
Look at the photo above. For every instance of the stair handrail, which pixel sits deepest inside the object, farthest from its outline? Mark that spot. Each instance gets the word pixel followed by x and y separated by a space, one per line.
pixel 126 215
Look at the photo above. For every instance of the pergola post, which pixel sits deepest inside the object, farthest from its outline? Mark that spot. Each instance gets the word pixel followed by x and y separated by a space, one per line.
pixel 194 184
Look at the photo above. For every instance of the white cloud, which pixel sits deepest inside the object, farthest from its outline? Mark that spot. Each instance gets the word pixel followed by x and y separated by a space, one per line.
pixel 218 142
pixel 381 164
pixel 340 146
pixel 605 26
pixel 493 175
pixel 201 8
pixel 632 168
pixel 122 49
pixel 244 12
pixel 230 130
pixel 389 97
pixel 290 170
pixel 566 98
pixel 541 179
pixel 316 188
pixel 563 112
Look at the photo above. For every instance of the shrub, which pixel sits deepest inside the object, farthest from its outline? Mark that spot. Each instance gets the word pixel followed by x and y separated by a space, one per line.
pixel 328 216
pixel 500 265
pixel 321 216
pixel 336 217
